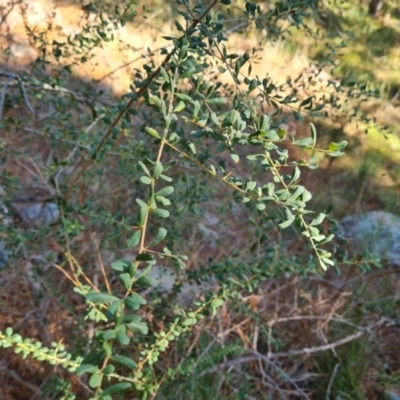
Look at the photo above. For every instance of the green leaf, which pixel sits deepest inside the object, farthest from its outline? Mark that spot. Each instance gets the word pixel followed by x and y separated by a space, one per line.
pixel 306 101
pixel 295 175
pixel 123 338
pixel 152 132
pixel 327 239
pixel 144 281
pixel 318 220
pixel 343 144
pixel 179 26
pixel 328 261
pixel 82 369
pixel 109 334
pixel 289 218
pixel 319 238
pixel 134 301
pixel 184 97
pixel 260 206
pixel 252 86
pixel 100 298
pixel 142 216
pixel 272 135
pixel 134 240
pixel 144 257
pixel 158 169
pixel 308 142
pixel 153 100
pixel 146 271
pixel 117 388
pixel 313 134
pixel 270 188
pixel 114 307
pixel 146 180
pixel 189 321
pixel 333 146
pixel 119 265
pixel 146 171
pixel 306 196
pixel 180 106
pixel 159 212
pixel 214 118
pixel 142 204
pixel 166 178
pixel 95 380
pixel 198 134
pixel 192 147
pixel 162 232
pixel 298 116
pixel 165 191
pixel 163 200
pixel 234 157
pixel 180 263
pixel 188 72
pixel 298 192
pixel 125 361
pixel 281 133
pixel 217 303
pixel 165 75
pixel 336 154
pixel 217 100
pixel 138 327
pixel 107 348
pixel 126 281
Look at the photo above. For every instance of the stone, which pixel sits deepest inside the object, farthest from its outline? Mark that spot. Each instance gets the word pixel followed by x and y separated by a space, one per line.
pixel 392 395
pixel 38 214
pixel 375 232
pixel 164 280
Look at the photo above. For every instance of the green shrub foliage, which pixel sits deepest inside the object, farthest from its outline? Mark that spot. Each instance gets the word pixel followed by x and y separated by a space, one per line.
pixel 176 116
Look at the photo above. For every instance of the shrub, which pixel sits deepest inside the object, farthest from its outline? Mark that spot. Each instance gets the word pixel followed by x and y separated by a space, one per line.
pixel 181 137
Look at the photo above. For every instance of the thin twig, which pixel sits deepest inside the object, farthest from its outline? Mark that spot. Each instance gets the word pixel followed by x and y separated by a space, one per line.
pixel 362 331
pixel 328 392
pixel 10 77
pixel 129 63
pixel 227 364
pixel 102 267
pixel 13 375
pixel 81 146
pixel 314 317
pixel 281 371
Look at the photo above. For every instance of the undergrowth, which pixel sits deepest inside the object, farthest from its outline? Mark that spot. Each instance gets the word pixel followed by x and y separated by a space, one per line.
pixel 192 177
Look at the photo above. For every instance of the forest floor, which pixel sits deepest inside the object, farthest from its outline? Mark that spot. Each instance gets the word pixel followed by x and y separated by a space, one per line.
pixel 366 179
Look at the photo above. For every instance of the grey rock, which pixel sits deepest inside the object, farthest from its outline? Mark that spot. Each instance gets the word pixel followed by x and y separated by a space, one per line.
pixel 38 214
pixel 391 395
pixel 375 232
pixel 164 280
